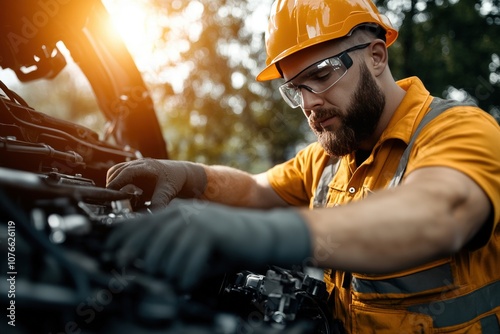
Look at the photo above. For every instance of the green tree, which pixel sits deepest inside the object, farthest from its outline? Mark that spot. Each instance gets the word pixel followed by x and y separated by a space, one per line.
pixel 220 114
pixel 452 45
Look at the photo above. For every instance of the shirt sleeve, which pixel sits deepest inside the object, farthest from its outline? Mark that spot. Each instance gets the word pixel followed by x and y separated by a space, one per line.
pixel 296 179
pixel 466 139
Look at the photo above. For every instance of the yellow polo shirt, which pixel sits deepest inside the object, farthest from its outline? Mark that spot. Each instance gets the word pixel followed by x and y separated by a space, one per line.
pixel 463 138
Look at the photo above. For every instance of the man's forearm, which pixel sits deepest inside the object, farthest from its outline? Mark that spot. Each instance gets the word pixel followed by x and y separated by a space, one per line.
pixel 235 187
pixel 402 227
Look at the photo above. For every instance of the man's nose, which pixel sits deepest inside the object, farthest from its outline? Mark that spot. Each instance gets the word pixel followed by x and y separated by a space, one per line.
pixel 310 100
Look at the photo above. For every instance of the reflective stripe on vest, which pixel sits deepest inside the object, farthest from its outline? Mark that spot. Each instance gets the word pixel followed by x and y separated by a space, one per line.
pixel 421 281
pixel 321 195
pixel 459 310
pixel 437 107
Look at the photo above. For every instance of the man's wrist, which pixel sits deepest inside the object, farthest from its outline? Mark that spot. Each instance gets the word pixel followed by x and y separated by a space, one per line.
pixel 293 238
pixel 196 180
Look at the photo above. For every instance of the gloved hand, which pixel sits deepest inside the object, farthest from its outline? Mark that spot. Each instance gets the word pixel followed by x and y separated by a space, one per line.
pixel 186 241
pixel 160 180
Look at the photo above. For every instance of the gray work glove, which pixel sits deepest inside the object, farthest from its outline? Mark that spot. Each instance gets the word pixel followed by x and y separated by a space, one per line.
pixel 160 180
pixel 185 242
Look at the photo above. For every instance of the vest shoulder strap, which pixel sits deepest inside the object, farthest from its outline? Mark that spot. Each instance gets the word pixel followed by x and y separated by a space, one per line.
pixel 437 107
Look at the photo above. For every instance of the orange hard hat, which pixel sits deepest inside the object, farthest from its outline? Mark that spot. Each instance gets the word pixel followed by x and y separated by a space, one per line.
pixel 297 24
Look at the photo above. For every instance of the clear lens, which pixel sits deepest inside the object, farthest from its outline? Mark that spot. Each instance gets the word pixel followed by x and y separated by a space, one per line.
pixel 324 75
pixel 317 79
pixel 291 94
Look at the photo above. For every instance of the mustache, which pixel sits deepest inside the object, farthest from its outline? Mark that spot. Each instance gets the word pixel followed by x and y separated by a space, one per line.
pixel 319 115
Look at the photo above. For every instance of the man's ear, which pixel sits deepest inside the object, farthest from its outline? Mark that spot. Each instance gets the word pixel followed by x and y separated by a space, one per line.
pixel 379 56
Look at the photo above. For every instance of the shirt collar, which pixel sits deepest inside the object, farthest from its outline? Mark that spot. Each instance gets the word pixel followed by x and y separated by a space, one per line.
pixel 410 111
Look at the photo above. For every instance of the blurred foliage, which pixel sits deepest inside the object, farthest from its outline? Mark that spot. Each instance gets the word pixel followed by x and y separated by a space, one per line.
pixel 222 115
pixel 453 47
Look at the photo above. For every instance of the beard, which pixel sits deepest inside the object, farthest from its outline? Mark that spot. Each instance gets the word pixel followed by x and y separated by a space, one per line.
pixel 358 123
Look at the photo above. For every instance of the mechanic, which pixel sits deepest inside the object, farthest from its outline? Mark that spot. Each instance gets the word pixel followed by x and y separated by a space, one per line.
pixel 419 257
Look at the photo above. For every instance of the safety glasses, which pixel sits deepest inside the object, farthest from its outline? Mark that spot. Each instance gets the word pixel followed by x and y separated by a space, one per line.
pixel 319 77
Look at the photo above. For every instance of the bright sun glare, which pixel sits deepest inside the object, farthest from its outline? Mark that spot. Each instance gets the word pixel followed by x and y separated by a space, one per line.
pixel 134 22
pixel 140 27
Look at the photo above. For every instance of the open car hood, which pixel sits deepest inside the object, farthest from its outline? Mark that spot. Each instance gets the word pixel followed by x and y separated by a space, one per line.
pixel 29 31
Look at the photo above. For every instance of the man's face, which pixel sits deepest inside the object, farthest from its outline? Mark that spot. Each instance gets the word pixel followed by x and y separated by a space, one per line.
pixel 353 125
